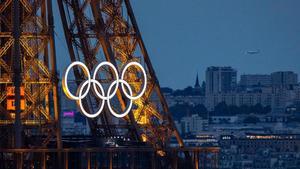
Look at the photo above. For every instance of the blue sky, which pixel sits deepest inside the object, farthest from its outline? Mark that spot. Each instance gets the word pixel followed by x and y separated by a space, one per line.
pixel 185 37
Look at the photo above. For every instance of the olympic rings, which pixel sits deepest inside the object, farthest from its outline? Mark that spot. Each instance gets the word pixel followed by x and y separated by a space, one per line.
pixel 81 94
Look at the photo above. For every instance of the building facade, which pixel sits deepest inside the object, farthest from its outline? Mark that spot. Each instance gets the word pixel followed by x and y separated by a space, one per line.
pixel 250 80
pixel 192 124
pixel 220 80
pixel 284 79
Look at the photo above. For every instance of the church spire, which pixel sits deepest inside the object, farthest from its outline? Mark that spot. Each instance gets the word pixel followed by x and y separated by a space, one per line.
pixel 197 85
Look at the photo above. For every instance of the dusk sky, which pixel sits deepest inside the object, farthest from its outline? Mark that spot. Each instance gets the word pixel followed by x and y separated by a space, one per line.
pixel 185 37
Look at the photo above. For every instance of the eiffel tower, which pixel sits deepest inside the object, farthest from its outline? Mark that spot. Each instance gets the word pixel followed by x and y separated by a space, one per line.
pixel 29 108
pixel 95 31
pixel 99 31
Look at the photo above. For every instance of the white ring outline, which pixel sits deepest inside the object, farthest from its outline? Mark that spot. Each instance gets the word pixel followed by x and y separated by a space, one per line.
pixel 117 79
pixel 95 82
pixel 79 102
pixel 65 80
pixel 145 80
pixel 130 103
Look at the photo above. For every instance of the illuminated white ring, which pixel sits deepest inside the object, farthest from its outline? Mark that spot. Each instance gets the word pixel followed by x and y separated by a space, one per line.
pixel 65 80
pixel 117 80
pixel 145 80
pixel 102 95
pixel 81 87
pixel 108 101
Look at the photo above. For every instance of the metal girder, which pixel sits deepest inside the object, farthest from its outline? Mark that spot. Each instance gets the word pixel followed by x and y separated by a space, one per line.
pixel 36 69
pixel 111 26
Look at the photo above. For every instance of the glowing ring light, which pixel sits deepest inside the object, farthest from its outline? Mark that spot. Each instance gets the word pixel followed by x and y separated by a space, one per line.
pixel 117 80
pixel 145 80
pixel 102 95
pixel 65 80
pixel 79 102
pixel 130 104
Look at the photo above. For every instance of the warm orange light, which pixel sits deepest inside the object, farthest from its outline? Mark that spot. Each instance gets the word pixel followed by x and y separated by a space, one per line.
pixel 11 91
pixel 10 101
pixel 161 153
pixel 144 138
pixel 10 104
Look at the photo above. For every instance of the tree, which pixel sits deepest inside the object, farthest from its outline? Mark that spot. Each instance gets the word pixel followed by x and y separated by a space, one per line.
pixel 166 90
pixel 201 110
pixel 233 109
pixel 258 108
pixel 244 109
pixel 221 109
pixel 267 109
pixel 251 119
pixel 180 110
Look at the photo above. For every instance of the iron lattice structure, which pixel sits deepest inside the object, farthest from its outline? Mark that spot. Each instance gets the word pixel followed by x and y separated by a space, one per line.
pixel 28 82
pixel 95 31
pixel 106 30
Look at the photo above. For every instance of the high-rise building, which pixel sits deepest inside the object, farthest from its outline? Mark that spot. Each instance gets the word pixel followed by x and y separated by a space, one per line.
pixel 284 79
pixel 250 80
pixel 220 80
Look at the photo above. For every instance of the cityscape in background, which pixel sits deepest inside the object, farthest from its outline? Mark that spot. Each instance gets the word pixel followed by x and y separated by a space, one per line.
pixel 253 118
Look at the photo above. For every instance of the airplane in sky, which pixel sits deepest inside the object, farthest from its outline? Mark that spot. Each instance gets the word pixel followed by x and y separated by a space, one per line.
pixel 253 52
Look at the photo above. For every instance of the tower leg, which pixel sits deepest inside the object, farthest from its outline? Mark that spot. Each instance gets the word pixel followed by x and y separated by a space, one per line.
pixel 17 80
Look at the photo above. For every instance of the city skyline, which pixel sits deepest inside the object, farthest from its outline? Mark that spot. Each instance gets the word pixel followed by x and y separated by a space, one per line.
pixel 239 77
pixel 212 34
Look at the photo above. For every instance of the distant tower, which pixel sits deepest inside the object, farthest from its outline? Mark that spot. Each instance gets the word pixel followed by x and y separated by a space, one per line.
pixel 197 85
